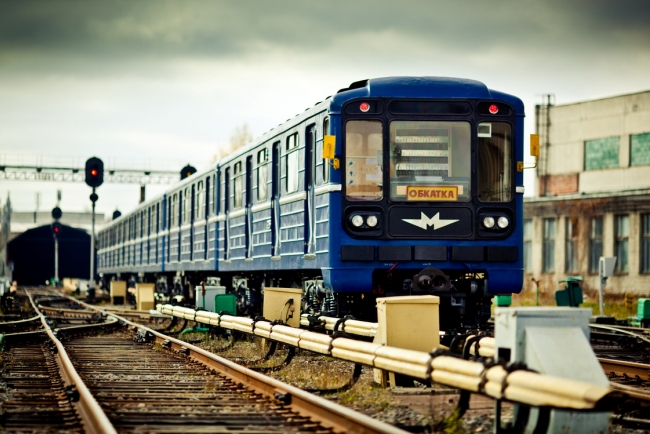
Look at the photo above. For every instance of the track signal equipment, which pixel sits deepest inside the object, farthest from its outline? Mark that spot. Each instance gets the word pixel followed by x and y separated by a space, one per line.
pixel 187 171
pixel 56 229
pixel 56 213
pixel 94 172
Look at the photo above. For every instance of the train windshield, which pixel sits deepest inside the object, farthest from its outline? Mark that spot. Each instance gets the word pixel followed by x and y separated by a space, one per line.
pixel 430 161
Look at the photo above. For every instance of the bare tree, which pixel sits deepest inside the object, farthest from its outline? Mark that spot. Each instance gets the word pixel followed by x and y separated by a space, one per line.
pixel 240 136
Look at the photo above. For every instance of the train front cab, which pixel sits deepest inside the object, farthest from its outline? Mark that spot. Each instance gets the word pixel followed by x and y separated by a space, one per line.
pixel 430 201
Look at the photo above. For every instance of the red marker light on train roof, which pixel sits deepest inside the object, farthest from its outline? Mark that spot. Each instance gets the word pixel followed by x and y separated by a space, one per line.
pixel 493 109
pixel 364 107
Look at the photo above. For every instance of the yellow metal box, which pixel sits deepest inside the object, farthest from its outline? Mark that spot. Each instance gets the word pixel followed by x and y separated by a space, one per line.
pixel 283 304
pixel 144 295
pixel 118 289
pixel 409 322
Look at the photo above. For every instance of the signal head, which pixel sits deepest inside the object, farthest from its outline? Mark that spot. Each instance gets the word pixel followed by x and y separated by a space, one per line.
pixel 94 172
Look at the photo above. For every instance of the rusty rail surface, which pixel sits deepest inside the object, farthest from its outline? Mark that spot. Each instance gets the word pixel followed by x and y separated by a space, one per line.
pixel 622 368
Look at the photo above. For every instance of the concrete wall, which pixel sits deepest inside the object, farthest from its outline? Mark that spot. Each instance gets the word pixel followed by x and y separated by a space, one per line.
pixel 572 124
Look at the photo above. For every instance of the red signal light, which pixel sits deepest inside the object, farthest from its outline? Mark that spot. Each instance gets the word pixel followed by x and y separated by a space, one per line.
pixel 364 107
pixel 93 172
pixel 493 109
pixel 56 229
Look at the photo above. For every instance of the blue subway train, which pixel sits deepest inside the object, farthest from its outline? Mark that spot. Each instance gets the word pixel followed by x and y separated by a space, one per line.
pixel 393 186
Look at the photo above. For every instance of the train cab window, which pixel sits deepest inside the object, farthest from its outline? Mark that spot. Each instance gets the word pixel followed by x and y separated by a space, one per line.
pixel 238 184
pixel 199 201
pixel 292 165
pixel 363 159
pixel 430 161
pixel 262 175
pixel 494 162
pixel 326 167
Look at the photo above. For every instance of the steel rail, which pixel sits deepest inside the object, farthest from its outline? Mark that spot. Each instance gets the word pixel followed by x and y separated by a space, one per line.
pixel 21 321
pixel 327 413
pixel 91 414
pixel 624 368
pixel 622 331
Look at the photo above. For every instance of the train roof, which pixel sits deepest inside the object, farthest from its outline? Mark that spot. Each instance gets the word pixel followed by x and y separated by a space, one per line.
pixel 422 87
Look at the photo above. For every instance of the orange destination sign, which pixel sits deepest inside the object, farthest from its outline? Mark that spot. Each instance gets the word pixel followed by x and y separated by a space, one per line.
pixel 432 193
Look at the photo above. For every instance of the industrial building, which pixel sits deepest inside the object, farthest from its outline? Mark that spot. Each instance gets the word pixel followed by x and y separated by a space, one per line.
pixel 593 194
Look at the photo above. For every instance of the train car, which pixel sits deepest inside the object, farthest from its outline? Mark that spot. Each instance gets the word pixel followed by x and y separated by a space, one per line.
pixel 393 186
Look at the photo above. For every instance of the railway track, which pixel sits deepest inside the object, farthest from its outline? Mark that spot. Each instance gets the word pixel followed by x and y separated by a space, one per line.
pixel 143 381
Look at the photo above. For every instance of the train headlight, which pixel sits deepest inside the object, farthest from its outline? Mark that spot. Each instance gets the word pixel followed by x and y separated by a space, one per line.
pixel 357 220
pixel 372 221
pixel 488 222
pixel 503 222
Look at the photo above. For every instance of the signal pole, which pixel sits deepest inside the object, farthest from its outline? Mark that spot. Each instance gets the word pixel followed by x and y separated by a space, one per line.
pixel 56 231
pixel 94 178
pixel 93 199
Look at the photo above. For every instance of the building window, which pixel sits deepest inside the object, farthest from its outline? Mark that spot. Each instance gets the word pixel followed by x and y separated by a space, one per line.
pixel 262 175
pixel 602 153
pixel 528 245
pixel 645 243
pixel 548 265
pixel 571 243
pixel 640 149
pixel 292 163
pixel 622 234
pixel 595 243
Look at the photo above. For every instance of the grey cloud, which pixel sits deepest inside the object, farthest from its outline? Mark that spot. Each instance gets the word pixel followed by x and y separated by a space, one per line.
pixel 222 28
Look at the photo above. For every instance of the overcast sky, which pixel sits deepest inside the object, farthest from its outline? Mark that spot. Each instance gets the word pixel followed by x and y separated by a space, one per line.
pixel 161 84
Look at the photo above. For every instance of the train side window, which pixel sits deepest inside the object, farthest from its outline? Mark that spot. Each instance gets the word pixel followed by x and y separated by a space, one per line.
pixel 326 166
pixel 262 174
pixel 292 163
pixel 173 208
pixel 187 205
pixel 238 186
pixel 199 200
pixel 494 162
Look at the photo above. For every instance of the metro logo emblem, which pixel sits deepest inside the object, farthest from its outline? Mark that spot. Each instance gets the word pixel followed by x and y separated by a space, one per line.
pixel 448 193
pixel 424 222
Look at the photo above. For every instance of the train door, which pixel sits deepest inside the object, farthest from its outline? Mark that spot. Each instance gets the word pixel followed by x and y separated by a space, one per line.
pixel 248 212
pixel 275 205
pixel 226 210
pixel 310 209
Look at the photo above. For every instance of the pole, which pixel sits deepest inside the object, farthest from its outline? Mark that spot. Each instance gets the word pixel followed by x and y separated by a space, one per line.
pixel 56 261
pixel 91 285
pixel 602 279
